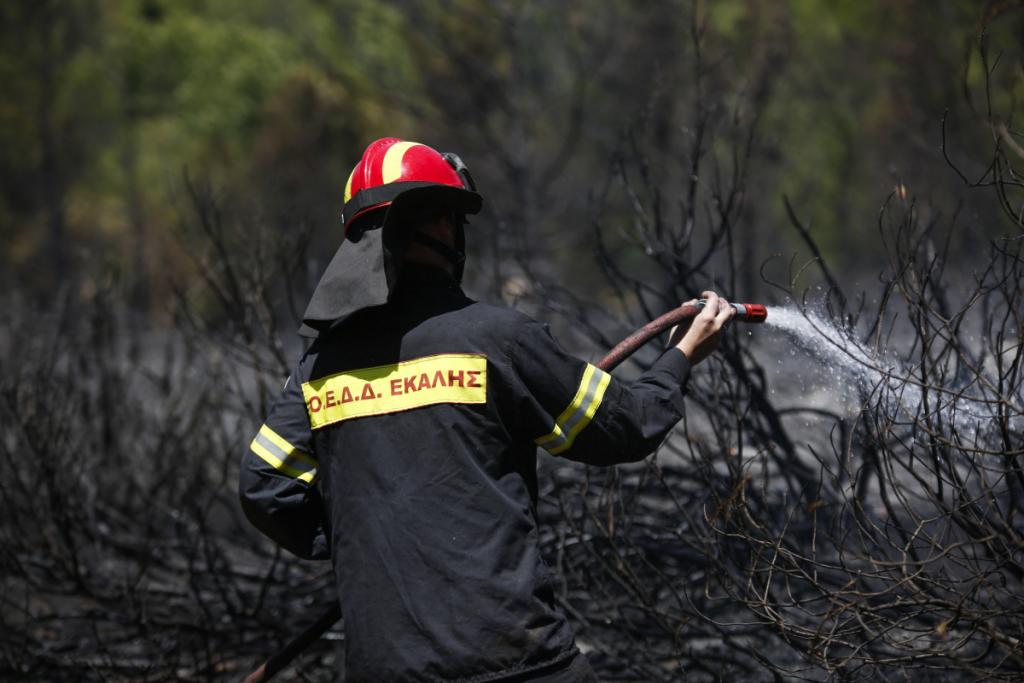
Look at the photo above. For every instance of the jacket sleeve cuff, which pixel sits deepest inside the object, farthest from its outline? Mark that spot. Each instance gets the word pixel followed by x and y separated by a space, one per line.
pixel 675 364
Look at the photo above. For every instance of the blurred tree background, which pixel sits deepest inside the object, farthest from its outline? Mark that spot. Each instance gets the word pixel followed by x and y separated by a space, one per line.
pixel 170 187
pixel 108 106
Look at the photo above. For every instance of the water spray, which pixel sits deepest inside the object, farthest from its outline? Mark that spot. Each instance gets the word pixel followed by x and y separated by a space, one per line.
pixel 952 411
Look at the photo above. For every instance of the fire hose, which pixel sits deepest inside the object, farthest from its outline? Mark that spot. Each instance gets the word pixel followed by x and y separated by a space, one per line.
pixel 749 313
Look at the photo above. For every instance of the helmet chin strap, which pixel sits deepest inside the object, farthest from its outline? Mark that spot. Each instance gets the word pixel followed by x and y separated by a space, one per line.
pixel 396 243
pixel 456 255
pixel 451 254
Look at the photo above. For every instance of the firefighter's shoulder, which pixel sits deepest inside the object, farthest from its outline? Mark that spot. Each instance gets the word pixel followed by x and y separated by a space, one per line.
pixel 506 328
pixel 505 320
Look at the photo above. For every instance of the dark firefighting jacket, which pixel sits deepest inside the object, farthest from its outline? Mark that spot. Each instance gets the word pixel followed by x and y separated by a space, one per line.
pixel 404 448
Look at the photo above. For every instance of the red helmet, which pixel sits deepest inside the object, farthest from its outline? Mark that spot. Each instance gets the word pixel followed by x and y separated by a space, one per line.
pixel 392 168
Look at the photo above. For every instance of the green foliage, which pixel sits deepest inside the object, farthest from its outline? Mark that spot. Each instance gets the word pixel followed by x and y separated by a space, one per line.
pixel 107 104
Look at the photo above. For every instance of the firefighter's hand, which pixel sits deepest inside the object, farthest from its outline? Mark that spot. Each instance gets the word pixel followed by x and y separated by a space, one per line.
pixel 699 337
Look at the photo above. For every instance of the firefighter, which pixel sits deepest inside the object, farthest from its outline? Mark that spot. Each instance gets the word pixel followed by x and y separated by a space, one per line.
pixel 403 446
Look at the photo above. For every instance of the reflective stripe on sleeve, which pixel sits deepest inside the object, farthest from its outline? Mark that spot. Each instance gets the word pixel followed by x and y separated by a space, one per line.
pixel 579 412
pixel 283 456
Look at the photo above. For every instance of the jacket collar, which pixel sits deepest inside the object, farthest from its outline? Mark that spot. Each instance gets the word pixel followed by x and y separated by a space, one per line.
pixel 419 281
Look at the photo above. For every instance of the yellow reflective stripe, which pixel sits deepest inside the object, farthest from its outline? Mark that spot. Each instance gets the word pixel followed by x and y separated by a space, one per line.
pixel 592 407
pixel 573 406
pixel 579 412
pixel 581 393
pixel 391 169
pixel 553 435
pixel 348 186
pixel 279 465
pixel 396 387
pixel 282 456
pixel 292 452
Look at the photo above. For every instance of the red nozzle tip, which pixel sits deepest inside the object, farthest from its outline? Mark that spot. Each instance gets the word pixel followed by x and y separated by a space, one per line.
pixel 755 313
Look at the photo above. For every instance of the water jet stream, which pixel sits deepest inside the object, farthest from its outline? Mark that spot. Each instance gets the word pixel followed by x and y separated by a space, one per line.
pixel 888 383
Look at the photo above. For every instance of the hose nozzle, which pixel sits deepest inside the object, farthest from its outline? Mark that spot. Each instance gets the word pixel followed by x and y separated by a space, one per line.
pixel 748 313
